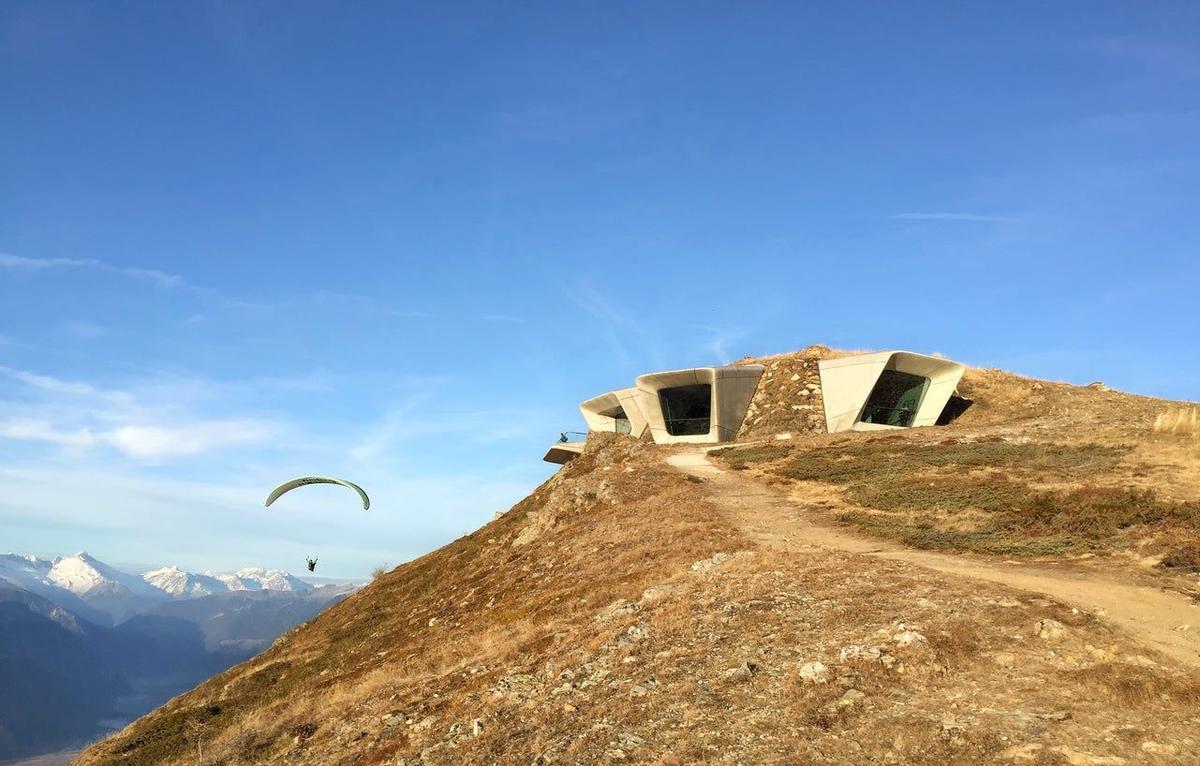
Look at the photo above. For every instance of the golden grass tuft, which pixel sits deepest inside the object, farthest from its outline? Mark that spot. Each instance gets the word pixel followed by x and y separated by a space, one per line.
pixel 1181 421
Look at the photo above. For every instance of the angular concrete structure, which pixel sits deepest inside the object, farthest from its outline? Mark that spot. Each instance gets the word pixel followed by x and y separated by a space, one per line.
pixel 615 412
pixel 563 452
pixel 703 405
pixel 889 389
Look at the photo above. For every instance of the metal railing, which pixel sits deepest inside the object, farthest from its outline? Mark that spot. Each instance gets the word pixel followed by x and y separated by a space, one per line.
pixel 889 416
pixel 688 426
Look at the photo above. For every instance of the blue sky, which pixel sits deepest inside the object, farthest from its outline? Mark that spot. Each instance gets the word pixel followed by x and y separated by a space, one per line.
pixel 245 241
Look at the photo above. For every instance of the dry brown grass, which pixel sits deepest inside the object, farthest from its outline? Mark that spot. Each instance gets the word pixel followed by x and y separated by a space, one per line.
pixel 575 628
pixel 1182 421
pixel 1134 684
pixel 986 495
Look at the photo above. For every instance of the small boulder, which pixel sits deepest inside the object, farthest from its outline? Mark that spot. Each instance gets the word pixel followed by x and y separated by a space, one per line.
pixel 814 673
pixel 1049 630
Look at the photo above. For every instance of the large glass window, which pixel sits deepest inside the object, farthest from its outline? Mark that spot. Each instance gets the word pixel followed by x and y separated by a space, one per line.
pixel 895 399
pixel 620 420
pixel 687 410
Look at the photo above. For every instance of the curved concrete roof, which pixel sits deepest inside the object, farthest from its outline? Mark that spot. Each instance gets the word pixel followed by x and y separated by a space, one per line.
pixel 628 399
pixel 846 384
pixel 732 389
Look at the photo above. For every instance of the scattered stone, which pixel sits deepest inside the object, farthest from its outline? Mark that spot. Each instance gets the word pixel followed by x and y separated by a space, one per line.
pixel 848 700
pixel 856 653
pixel 618 608
pixel 814 673
pixel 707 565
pixel 1056 715
pixel 630 741
pixel 1080 758
pixel 951 730
pixel 908 638
pixel 1159 748
pixel 424 723
pixel 1049 630
pixel 783 436
pixel 1027 753
pixel 633 634
pixel 476 727
pixel 742 673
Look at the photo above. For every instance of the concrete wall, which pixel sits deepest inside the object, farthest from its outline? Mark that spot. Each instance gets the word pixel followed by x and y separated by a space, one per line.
pixel 846 384
pixel 563 452
pixel 732 389
pixel 628 399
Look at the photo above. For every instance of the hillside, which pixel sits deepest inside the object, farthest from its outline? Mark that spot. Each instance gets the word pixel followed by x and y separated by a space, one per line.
pixel 634 609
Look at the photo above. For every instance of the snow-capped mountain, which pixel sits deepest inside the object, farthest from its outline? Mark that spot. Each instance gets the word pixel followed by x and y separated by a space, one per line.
pixel 179 583
pixel 257 578
pixel 102 593
pixel 115 593
pixel 76 635
pixel 88 577
pixel 28 572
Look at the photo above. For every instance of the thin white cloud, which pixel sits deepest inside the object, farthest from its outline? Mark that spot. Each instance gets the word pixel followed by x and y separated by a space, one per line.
pixel 614 322
pixel 152 442
pixel 946 216
pixel 166 280
pixel 53 385
pixel 720 340
pixel 145 442
pixel 41 431
pixel 159 278
pixel 154 424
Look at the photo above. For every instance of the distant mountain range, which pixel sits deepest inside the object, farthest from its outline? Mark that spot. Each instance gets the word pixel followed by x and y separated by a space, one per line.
pixel 86 647
pixel 107 595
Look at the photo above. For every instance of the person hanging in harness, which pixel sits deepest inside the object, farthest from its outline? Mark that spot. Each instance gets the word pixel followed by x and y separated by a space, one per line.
pixel 312 565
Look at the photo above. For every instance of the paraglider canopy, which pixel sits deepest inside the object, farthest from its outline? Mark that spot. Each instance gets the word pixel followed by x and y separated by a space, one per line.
pixel 288 486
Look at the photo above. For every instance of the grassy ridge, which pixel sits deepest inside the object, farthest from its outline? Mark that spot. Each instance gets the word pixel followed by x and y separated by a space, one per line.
pixel 988 496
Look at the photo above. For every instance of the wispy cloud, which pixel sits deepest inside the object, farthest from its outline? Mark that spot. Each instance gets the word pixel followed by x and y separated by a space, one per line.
pixel 165 280
pixel 720 340
pixel 81 416
pixel 615 323
pixel 158 278
pixel 947 216
pixel 147 442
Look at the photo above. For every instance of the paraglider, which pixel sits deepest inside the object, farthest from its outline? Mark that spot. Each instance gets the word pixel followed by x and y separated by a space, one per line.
pixel 288 486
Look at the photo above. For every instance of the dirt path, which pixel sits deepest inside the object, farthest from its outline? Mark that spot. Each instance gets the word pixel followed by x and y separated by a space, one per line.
pixel 1155 616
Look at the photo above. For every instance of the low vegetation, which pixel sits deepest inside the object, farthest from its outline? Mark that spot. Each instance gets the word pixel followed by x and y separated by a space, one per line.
pixel 988 496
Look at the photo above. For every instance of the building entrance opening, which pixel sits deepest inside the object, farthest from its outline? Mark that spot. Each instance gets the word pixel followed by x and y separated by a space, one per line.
pixel 895 399
pixel 687 410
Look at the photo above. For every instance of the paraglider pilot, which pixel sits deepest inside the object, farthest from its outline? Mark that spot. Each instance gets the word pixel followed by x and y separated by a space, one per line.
pixel 312 565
